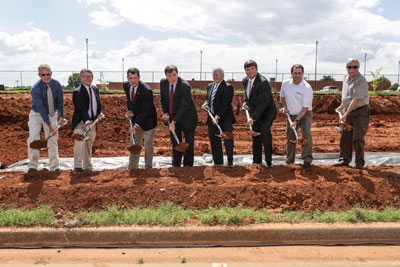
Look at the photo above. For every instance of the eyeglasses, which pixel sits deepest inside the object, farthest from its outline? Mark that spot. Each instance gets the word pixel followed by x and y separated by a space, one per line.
pixel 45 74
pixel 87 77
pixel 352 67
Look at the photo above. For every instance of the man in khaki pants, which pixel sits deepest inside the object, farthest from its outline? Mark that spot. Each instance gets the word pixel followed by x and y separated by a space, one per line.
pixel 142 112
pixel 47 105
pixel 87 107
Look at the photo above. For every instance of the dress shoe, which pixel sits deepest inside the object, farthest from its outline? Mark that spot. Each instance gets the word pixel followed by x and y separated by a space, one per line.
pixel 270 165
pixel 56 170
pixel 32 170
pixel 230 164
pixel 341 164
pixel 306 165
pixel 78 170
pixel 359 167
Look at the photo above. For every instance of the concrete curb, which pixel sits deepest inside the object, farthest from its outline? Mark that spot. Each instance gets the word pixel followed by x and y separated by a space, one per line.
pixel 273 234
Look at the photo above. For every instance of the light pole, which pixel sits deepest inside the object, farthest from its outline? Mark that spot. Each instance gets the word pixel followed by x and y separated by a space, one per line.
pixel 201 63
pixel 316 55
pixel 123 78
pixel 87 53
pixel 17 83
pixel 365 63
pixel 276 70
pixel 398 74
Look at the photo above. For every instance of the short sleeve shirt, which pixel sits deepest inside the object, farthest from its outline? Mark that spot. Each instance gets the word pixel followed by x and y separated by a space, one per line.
pixel 356 88
pixel 297 96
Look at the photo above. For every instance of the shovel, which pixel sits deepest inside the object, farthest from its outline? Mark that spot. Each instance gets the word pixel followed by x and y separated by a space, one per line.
pixel 42 144
pixel 252 133
pixel 225 135
pixel 343 127
pixel 298 140
pixel 180 147
pixel 133 147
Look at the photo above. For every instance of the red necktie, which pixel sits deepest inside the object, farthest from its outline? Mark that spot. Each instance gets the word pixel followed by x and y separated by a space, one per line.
pixel 91 103
pixel 171 102
pixel 133 95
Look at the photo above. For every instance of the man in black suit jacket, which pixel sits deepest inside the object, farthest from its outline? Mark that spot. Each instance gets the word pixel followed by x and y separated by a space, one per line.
pixel 219 102
pixel 260 103
pixel 180 111
pixel 87 107
pixel 143 114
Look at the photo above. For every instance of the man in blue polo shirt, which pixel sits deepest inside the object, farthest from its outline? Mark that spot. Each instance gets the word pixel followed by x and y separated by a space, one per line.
pixel 47 105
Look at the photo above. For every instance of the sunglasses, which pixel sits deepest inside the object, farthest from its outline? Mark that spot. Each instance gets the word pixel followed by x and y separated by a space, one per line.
pixel 352 67
pixel 45 74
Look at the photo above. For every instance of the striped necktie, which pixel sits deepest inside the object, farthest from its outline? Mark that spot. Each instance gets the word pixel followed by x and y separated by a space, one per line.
pixel 213 97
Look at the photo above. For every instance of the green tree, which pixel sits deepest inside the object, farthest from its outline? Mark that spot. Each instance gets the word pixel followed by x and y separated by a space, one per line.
pixel 394 87
pixel 327 78
pixel 376 80
pixel 74 80
pixel 383 79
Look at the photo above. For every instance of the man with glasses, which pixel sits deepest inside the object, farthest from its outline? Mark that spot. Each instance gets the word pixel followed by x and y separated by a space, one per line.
pixel 87 107
pixel 296 98
pixel 355 104
pixel 47 105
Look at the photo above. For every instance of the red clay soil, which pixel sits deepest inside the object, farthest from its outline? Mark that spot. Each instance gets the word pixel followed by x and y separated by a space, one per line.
pixel 284 187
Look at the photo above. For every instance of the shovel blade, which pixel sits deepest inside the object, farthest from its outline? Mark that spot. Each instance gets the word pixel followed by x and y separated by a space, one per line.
pixel 38 144
pixel 253 133
pixel 300 141
pixel 227 135
pixel 182 147
pixel 134 148
pixel 77 136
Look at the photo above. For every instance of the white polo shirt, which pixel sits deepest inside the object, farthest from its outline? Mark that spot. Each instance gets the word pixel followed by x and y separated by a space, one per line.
pixel 297 96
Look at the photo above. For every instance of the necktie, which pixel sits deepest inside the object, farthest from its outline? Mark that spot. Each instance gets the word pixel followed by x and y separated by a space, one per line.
pixel 213 97
pixel 133 95
pixel 91 104
pixel 50 101
pixel 171 102
pixel 250 86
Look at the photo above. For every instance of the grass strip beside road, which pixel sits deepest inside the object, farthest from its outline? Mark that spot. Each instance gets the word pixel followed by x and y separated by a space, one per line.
pixel 169 214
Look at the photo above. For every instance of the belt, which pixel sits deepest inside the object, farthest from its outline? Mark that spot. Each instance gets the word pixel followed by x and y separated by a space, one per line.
pixel 359 108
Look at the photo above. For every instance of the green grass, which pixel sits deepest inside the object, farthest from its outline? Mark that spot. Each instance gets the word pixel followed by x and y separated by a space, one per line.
pixel 169 214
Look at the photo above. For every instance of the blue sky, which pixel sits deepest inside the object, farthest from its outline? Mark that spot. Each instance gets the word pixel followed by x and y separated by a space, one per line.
pixel 151 34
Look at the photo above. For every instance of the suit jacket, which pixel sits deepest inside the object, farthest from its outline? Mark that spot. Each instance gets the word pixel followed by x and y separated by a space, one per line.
pixel 261 103
pixel 81 100
pixel 184 109
pixel 143 109
pixel 222 102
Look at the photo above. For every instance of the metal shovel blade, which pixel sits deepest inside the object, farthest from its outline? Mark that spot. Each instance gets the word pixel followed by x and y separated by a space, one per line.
pixel 300 141
pixel 134 148
pixel 38 144
pixel 253 133
pixel 77 136
pixel 227 135
pixel 182 147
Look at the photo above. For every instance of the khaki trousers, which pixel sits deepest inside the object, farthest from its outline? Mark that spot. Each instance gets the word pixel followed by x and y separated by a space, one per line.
pixel 35 124
pixel 148 137
pixel 83 148
pixel 306 151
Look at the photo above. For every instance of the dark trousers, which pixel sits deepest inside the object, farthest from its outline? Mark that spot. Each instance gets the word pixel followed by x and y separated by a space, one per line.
pixel 265 139
pixel 359 119
pixel 216 143
pixel 188 156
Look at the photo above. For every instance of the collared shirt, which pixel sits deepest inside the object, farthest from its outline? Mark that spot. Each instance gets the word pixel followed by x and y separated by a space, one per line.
pixel 297 96
pixel 130 91
pixel 169 87
pixel 93 102
pixel 251 81
pixel 39 99
pixel 357 88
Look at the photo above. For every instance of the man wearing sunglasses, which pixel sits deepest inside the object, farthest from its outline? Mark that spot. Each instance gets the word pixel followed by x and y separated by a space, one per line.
pixel 47 105
pixel 355 103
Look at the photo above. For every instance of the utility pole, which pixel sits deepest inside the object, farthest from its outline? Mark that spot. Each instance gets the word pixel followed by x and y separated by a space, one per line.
pixel 87 53
pixel 276 70
pixel 398 73
pixel 316 56
pixel 123 77
pixel 365 63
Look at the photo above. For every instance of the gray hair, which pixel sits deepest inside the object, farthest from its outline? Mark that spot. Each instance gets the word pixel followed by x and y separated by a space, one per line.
pixel 221 71
pixel 44 66
pixel 350 60
pixel 85 70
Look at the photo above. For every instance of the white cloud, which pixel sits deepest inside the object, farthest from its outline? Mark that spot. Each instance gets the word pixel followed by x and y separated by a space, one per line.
pixel 105 19
pixel 70 40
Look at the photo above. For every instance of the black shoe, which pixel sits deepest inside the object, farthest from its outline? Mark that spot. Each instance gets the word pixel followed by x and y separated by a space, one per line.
pixel 32 170
pixel 306 165
pixel 359 167
pixel 341 164
pixel 270 165
pixel 78 170
pixel 230 164
pixel 57 170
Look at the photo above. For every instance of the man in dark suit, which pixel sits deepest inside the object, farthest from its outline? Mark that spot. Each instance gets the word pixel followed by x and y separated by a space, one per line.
pixel 260 103
pixel 219 102
pixel 179 110
pixel 143 114
pixel 87 107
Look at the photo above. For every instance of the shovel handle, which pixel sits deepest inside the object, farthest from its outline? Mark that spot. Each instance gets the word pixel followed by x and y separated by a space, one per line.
pixel 294 129
pixel 130 128
pixel 213 120
pixel 248 118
